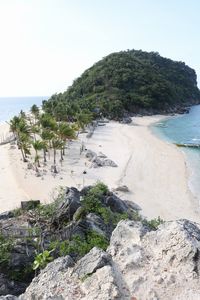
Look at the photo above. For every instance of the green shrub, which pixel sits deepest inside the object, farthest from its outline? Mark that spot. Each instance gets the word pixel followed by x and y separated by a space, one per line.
pixel 154 223
pixel 92 200
pixel 42 259
pixel 79 246
pixel 6 246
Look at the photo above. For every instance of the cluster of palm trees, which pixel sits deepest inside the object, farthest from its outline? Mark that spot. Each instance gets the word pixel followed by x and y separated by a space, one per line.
pixel 42 132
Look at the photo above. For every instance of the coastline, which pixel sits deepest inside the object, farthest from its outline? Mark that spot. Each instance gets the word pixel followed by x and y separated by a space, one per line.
pixel 154 171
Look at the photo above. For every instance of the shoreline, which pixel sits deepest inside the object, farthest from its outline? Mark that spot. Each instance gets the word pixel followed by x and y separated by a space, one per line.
pixel 154 171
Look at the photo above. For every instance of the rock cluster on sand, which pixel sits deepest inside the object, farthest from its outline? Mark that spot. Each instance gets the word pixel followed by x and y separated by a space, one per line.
pixel 99 160
pixel 139 264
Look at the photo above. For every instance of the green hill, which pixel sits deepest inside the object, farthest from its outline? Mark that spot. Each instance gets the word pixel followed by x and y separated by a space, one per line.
pixel 132 81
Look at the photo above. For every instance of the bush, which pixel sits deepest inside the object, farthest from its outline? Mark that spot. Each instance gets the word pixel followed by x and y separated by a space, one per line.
pixel 6 246
pixel 154 223
pixel 92 201
pixel 78 246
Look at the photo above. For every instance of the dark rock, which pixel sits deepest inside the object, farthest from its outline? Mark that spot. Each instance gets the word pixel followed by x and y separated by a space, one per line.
pixel 95 223
pixel 126 120
pixel 85 190
pixel 109 163
pixel 6 215
pixel 9 297
pixel 10 286
pixel 97 162
pixel 22 255
pixel 102 162
pixel 91 262
pixel 90 154
pixel 31 204
pixel 116 204
pixel 122 188
pixel 67 207
pixel 132 205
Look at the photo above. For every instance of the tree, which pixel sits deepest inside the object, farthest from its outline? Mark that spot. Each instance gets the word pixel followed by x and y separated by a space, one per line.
pixel 37 145
pixel 65 132
pixel 56 145
pixel 35 112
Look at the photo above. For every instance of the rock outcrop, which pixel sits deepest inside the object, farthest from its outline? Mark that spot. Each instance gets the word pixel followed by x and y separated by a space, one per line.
pixel 99 160
pixel 139 264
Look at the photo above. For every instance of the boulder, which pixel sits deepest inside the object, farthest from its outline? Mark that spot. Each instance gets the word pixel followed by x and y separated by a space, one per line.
pixel 162 264
pixel 6 215
pixel 122 188
pixel 116 204
pixel 22 255
pixel 132 205
pixel 31 204
pixel 12 287
pixel 103 285
pixel 91 262
pixel 102 162
pixel 90 154
pixel 109 163
pixel 67 206
pixel 95 223
pixel 102 155
pixel 126 120
pixel 54 282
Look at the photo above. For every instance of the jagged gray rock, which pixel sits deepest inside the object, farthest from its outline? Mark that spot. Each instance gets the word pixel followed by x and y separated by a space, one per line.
pixel 55 282
pixel 102 162
pixel 139 264
pixel 91 262
pixel 67 207
pixel 95 223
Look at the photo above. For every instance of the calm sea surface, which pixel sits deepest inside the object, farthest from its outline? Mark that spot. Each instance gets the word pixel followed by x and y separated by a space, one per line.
pixel 185 129
pixel 11 106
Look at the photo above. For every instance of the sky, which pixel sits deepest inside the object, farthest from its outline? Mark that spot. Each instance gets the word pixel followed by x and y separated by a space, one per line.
pixel 46 44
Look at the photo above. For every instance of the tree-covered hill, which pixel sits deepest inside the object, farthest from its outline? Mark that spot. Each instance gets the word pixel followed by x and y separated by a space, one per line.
pixel 133 81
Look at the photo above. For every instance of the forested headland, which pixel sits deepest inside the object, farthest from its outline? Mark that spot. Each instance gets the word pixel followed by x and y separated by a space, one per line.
pixel 129 81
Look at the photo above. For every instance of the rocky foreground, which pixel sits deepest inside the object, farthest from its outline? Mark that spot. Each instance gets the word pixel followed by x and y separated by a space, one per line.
pixel 138 264
pixel 91 254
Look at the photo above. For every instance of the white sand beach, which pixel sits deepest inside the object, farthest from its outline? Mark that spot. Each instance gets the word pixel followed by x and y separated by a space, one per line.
pixel 154 171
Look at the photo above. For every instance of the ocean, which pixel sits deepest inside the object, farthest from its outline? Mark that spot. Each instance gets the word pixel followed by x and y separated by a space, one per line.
pixel 11 106
pixel 184 129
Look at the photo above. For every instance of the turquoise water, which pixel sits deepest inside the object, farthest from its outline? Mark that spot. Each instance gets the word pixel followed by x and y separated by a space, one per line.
pixel 11 106
pixel 185 129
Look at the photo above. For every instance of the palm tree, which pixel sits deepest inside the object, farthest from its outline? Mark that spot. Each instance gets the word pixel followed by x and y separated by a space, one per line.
pixel 48 122
pixel 21 131
pixel 83 118
pixel 37 145
pixel 56 144
pixel 24 145
pixel 14 125
pixel 65 132
pixel 46 136
pixel 35 112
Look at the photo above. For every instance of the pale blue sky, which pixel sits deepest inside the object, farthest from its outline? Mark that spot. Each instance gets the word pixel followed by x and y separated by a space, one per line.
pixel 46 44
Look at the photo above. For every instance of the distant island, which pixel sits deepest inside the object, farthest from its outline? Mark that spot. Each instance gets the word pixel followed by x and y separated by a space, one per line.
pixel 131 81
